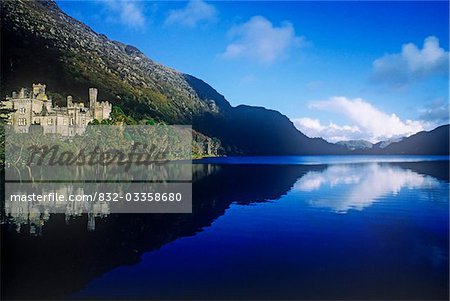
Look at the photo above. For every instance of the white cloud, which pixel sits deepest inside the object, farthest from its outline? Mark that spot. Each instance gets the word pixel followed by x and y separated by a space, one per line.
pixel 370 123
pixel 196 11
pixel 128 13
pixel 331 132
pixel 258 39
pixel 412 63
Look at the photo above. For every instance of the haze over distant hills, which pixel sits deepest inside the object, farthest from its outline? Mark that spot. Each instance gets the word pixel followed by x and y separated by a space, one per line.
pixel 40 43
pixel 435 142
pixel 364 144
pixel 355 144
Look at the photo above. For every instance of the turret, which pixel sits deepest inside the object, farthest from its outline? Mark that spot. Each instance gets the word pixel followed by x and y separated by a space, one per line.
pixel 22 93
pixel 39 91
pixel 69 101
pixel 92 99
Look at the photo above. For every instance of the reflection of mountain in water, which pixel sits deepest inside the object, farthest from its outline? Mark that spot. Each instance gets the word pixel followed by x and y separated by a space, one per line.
pixel 66 256
pixel 368 182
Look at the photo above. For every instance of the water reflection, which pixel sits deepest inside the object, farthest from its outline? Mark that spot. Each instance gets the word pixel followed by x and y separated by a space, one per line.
pixel 79 254
pixel 335 187
pixel 32 216
pixel 357 186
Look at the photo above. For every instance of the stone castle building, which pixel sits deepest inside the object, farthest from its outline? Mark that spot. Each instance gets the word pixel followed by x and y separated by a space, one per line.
pixel 35 108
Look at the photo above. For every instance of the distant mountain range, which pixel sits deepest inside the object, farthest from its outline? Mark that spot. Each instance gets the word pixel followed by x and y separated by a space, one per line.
pixel 40 43
pixel 435 142
pixel 355 144
pixel 364 144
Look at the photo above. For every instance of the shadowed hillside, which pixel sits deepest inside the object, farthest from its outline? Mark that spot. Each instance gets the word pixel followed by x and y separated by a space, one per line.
pixel 40 43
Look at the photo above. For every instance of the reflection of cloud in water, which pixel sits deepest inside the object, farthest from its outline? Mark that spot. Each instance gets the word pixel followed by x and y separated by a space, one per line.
pixel 366 183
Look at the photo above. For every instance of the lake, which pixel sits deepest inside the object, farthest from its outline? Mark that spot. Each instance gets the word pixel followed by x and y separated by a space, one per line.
pixel 330 227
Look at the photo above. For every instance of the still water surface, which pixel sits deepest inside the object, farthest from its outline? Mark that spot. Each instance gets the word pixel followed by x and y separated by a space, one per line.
pixel 340 230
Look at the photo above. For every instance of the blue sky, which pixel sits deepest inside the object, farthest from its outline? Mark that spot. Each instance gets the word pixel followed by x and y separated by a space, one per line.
pixel 338 70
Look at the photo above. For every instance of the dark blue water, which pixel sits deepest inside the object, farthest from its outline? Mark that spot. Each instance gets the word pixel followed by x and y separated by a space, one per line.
pixel 370 229
pixel 315 160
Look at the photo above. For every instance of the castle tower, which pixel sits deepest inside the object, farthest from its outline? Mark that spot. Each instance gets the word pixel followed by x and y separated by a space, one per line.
pixel 69 101
pixel 39 91
pixel 22 93
pixel 92 99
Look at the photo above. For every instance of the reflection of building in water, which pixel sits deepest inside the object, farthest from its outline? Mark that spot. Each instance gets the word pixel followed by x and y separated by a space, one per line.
pixel 35 107
pixel 36 214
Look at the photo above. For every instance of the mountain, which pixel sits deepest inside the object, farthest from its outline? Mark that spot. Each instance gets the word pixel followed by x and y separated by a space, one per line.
pixel 385 143
pixel 435 142
pixel 40 43
pixel 355 144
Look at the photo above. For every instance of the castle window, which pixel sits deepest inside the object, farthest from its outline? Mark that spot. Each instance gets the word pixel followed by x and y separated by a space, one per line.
pixel 22 121
pixel 72 122
pixel 50 121
pixel 22 111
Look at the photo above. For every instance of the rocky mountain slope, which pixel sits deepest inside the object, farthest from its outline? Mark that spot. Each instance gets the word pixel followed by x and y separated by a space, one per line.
pixel 40 43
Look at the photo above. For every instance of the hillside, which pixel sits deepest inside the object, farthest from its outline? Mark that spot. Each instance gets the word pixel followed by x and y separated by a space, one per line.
pixel 40 43
pixel 435 142
pixel 355 144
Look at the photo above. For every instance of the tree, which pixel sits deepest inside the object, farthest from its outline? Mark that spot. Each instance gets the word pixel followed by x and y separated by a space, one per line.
pixel 4 117
pixel 5 113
